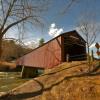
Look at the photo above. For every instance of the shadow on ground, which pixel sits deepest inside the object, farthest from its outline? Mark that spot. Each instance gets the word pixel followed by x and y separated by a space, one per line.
pixel 11 96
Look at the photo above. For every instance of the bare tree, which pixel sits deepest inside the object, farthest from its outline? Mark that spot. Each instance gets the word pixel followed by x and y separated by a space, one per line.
pixel 89 28
pixel 19 12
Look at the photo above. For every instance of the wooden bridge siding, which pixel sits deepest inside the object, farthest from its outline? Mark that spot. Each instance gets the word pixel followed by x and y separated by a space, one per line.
pixel 47 56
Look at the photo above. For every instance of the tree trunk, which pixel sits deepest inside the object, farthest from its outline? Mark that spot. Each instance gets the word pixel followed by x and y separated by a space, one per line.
pixel 88 53
pixel 88 57
pixel 0 46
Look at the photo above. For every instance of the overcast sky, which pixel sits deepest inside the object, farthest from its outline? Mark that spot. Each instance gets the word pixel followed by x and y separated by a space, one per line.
pixel 65 22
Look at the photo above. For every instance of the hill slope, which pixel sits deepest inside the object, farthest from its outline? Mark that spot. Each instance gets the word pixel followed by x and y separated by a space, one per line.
pixel 68 81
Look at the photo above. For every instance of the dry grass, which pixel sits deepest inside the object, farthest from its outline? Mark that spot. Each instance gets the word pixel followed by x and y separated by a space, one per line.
pixel 10 65
pixel 68 81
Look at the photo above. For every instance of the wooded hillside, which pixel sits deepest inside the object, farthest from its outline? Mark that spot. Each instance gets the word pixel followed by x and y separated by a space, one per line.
pixel 13 50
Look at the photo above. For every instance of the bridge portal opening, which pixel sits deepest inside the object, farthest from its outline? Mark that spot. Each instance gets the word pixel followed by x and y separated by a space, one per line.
pixel 74 52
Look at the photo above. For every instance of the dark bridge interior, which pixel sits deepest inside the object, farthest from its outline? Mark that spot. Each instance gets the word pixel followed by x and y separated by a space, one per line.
pixel 74 49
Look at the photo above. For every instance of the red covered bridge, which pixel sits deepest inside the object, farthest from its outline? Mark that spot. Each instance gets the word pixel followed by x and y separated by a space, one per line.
pixel 54 51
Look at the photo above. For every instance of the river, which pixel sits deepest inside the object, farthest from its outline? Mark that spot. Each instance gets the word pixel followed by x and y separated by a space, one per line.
pixel 10 80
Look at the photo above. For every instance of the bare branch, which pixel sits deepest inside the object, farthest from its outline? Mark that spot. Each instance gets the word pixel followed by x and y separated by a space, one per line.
pixel 68 6
pixel 8 13
pixel 2 7
pixel 15 23
pixel 89 28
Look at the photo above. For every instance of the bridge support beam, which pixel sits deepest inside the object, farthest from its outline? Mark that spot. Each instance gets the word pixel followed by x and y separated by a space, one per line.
pixel 28 72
